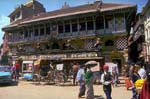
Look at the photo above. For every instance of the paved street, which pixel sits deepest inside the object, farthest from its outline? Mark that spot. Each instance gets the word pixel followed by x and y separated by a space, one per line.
pixel 27 90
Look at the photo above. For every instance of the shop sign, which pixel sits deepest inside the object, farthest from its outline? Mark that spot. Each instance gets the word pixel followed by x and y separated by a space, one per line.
pixel 73 55
pixel 53 56
pixel 82 55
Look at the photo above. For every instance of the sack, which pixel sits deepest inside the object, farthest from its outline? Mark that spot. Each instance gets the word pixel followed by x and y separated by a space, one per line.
pixel 128 83
pixel 139 83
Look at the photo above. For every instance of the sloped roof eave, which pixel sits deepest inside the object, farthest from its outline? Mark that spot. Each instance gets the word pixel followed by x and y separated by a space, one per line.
pixel 69 14
pixel 62 15
pixel 9 26
pixel 75 13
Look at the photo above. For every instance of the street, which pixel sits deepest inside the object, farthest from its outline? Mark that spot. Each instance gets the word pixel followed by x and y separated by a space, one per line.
pixel 28 90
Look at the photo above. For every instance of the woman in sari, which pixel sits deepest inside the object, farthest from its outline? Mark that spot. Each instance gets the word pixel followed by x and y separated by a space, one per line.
pixel 145 92
pixel 89 84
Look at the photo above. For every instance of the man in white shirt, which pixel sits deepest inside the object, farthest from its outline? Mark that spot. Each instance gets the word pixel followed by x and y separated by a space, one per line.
pixel 141 70
pixel 81 79
pixel 106 80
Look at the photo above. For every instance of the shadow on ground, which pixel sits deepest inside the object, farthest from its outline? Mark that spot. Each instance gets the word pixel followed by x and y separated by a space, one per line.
pixel 14 83
pixel 98 97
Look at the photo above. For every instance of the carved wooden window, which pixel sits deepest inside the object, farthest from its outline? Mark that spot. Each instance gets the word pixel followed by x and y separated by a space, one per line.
pixel 67 27
pixel 36 32
pixel 42 31
pixel 74 27
pixel 90 25
pixel 99 22
pixel 48 30
pixel 60 28
pixel 109 43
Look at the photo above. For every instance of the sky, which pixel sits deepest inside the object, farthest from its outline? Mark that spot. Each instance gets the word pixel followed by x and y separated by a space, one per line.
pixel 7 6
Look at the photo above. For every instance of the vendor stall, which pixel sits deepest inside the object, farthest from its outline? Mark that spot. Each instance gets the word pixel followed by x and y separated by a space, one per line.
pixel 27 70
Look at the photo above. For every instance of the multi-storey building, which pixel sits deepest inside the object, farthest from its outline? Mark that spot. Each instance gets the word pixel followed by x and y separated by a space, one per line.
pixel 70 32
pixel 136 40
pixel 146 20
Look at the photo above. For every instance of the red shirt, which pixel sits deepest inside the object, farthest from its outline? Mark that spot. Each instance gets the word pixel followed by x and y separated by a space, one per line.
pixel 17 66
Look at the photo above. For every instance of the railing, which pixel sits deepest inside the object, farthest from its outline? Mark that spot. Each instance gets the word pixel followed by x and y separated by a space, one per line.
pixel 16 40
pixel 68 35
pixel 77 34
pixel 56 51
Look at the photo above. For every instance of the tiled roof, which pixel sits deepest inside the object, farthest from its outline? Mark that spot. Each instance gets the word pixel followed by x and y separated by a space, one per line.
pixel 82 9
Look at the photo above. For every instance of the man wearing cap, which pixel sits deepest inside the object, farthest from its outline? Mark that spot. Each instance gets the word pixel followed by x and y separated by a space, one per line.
pixel 106 80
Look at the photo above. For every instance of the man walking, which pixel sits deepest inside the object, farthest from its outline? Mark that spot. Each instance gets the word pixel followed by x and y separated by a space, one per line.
pixel 81 79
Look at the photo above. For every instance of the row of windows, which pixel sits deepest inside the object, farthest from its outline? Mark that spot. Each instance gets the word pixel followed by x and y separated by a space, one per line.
pixel 66 28
pixel 37 32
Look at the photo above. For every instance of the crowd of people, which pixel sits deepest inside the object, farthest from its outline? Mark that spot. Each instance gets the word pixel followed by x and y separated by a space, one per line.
pixel 85 78
pixel 138 75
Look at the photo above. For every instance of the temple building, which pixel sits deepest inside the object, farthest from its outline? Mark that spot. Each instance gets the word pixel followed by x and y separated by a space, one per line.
pixel 70 32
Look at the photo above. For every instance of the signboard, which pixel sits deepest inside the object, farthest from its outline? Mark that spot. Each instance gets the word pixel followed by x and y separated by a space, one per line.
pixel 80 55
pixel 96 68
pixel 63 56
pixel 59 66
pixel 28 62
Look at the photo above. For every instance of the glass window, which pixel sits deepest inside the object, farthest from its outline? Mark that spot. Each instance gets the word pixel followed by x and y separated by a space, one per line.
pixel 99 22
pixel 26 33
pixel 60 29
pixel 5 68
pixel 36 33
pixel 41 31
pixel 74 28
pixel 107 19
pixel 47 30
pixel 82 26
pixel 67 27
pixel 90 25
pixel 30 33
pixel 18 15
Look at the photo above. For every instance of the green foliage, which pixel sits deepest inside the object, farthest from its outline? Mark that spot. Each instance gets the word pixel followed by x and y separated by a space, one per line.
pixel 78 43
pixel 106 38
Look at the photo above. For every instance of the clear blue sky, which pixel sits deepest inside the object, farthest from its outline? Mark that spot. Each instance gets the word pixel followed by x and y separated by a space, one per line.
pixel 7 6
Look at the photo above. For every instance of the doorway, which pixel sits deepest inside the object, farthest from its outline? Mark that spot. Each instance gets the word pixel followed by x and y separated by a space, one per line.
pixel 119 62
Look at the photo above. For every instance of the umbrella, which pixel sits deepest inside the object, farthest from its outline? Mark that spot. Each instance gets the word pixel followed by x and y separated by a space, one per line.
pixel 91 63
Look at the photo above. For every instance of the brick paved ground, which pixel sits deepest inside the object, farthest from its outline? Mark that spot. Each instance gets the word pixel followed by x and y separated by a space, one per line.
pixel 27 90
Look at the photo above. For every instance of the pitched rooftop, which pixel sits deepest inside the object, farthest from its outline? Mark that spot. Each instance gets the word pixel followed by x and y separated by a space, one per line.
pixel 82 9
